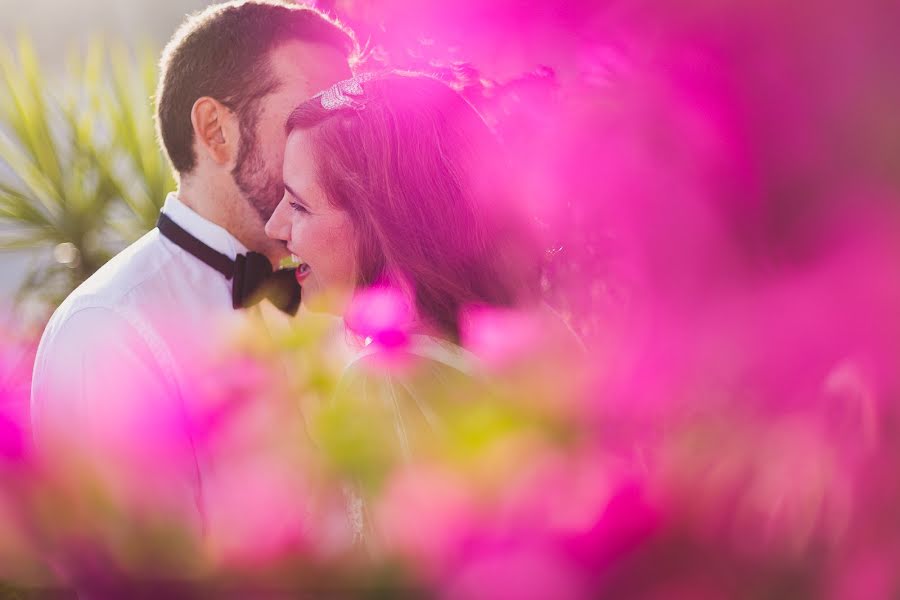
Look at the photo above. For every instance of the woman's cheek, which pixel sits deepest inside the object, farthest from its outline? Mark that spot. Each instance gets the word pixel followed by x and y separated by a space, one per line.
pixel 297 235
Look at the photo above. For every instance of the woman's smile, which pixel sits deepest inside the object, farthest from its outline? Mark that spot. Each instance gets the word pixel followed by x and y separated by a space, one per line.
pixel 302 272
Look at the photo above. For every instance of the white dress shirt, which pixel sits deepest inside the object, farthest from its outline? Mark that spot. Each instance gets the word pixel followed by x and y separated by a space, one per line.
pixel 115 356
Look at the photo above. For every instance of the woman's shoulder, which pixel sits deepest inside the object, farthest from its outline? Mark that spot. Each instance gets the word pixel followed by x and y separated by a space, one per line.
pixel 425 370
pixel 418 351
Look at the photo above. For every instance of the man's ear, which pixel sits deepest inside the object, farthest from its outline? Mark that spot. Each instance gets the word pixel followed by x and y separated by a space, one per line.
pixel 216 130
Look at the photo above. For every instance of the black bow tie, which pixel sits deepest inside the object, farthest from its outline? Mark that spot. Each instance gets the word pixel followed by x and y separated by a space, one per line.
pixel 252 273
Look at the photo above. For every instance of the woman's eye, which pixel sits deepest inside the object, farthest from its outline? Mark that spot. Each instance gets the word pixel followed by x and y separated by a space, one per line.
pixel 299 208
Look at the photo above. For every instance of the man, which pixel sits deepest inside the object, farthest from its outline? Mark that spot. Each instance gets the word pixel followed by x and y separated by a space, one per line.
pixel 112 366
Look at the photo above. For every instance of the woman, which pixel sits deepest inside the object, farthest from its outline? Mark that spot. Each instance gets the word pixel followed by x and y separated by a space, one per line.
pixel 394 182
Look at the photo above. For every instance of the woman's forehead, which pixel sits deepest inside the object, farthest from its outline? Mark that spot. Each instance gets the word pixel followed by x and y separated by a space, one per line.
pixel 300 169
pixel 298 159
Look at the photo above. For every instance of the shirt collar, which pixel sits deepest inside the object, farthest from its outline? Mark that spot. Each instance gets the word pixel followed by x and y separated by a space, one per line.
pixel 214 236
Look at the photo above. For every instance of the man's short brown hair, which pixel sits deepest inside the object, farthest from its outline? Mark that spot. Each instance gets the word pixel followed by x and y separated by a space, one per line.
pixel 223 52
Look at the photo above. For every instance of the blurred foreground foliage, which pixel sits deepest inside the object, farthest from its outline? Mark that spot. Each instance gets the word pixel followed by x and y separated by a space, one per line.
pixel 732 434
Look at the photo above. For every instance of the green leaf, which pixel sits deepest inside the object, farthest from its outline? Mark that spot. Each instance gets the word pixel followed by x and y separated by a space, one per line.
pixel 81 151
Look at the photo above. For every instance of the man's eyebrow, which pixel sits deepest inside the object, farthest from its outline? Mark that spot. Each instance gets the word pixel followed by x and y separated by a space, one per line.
pixel 290 191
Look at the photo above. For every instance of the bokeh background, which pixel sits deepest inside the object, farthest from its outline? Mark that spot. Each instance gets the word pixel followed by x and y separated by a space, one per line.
pixel 59 31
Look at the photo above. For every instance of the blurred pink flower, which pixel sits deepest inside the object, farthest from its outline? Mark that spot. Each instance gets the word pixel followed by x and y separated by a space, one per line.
pixel 425 515
pixel 382 315
pixel 872 574
pixel 556 493
pixel 515 571
pixel 258 512
pixel 500 337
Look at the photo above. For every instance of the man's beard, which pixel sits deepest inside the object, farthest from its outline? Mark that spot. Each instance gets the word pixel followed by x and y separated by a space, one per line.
pixel 259 187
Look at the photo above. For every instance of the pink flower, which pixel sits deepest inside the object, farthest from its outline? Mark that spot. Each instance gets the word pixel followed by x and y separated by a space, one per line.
pixel 499 337
pixel 516 572
pixel 425 515
pixel 382 315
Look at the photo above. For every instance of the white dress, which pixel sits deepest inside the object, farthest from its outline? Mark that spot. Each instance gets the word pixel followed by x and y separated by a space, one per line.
pixel 406 405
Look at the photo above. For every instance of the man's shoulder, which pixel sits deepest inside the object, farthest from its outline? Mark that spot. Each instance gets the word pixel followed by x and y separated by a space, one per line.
pixel 104 291
pixel 152 290
pixel 141 261
pixel 113 292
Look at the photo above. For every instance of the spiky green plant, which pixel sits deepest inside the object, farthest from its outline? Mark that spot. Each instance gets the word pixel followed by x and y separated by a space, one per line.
pixel 85 175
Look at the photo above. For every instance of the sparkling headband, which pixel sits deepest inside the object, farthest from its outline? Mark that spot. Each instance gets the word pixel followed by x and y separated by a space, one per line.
pixel 346 94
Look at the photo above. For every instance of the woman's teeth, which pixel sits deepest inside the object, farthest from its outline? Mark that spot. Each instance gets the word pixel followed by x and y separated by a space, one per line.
pixel 289 262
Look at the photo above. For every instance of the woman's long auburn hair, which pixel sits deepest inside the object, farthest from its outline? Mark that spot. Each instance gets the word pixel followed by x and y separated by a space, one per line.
pixel 423 181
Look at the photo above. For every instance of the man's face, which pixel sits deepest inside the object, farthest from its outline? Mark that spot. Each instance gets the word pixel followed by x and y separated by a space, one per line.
pixel 301 70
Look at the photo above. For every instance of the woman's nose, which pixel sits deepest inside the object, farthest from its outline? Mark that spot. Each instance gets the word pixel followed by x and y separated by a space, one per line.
pixel 279 225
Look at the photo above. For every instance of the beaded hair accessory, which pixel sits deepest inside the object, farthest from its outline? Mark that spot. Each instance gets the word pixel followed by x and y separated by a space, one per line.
pixel 346 94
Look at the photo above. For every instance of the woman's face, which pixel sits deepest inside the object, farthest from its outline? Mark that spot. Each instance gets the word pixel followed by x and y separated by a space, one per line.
pixel 319 235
